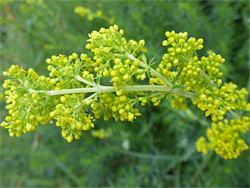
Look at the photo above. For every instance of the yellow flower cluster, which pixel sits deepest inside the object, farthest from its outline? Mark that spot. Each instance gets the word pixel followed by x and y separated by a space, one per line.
pixel 181 54
pixel 225 138
pixel 110 54
pixel 64 70
pixel 86 12
pixel 217 101
pixel 72 117
pixel 73 95
pixel 119 107
pixel 202 76
pixel 111 51
pixel 190 70
pixel 26 108
pixel 181 57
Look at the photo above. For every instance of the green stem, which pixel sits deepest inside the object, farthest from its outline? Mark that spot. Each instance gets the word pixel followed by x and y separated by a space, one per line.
pixel 71 91
pixel 206 77
pixel 79 78
pixel 107 89
pixel 130 56
pixel 185 93
pixel 90 97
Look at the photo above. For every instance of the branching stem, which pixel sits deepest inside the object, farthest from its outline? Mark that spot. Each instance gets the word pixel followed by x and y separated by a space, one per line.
pixel 204 75
pixel 79 78
pixel 130 56
pixel 108 89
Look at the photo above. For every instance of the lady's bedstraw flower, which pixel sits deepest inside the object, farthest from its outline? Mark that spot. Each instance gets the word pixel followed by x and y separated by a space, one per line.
pixel 27 107
pixel 72 117
pixel 225 138
pixel 73 96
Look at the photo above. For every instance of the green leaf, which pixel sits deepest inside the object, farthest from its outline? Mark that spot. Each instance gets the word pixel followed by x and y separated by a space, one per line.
pixel 177 76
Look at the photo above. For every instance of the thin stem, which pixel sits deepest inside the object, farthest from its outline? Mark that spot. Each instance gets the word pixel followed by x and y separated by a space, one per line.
pixel 146 88
pixel 185 93
pixel 204 75
pixel 79 78
pixel 71 91
pixel 90 97
pixel 130 56
pixel 107 89
pixel 156 94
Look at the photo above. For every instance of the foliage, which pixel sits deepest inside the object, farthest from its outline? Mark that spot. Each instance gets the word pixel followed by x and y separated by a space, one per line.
pixel 164 144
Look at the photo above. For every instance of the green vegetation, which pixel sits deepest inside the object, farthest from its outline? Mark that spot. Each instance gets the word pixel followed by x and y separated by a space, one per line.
pixel 158 148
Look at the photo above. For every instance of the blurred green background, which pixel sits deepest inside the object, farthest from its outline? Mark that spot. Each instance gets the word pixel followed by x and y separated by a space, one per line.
pixel 158 149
